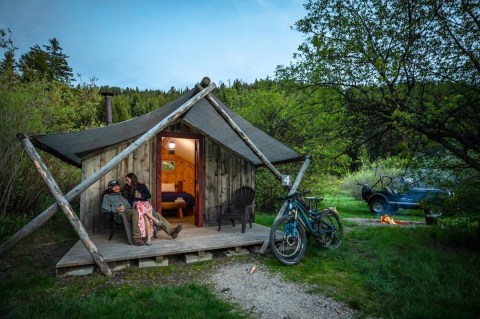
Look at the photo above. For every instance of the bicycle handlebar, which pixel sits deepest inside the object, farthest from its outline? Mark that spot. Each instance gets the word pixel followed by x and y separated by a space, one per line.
pixel 314 198
pixel 296 194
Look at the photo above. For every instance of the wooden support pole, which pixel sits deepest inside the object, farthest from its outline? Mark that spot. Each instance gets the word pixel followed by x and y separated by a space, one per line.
pixel 64 205
pixel 76 191
pixel 292 190
pixel 244 137
pixel 295 185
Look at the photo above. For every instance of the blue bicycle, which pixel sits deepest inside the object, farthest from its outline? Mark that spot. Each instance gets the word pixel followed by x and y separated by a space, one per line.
pixel 288 239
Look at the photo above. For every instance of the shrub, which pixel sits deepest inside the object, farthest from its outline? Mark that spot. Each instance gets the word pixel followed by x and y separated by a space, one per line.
pixel 35 108
pixel 369 173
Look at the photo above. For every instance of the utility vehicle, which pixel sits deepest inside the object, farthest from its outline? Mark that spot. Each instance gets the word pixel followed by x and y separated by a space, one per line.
pixel 383 198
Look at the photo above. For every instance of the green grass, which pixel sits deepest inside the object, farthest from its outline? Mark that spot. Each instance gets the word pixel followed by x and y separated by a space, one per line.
pixel 264 219
pixel 382 272
pixel 391 271
pixel 142 295
pixel 349 207
pixel 29 289
pixel 123 301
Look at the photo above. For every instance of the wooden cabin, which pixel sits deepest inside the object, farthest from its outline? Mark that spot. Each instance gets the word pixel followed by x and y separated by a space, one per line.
pixel 209 160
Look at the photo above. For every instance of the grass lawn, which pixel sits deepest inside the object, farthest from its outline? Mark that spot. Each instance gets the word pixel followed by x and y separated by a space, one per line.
pixel 391 271
pixel 381 271
pixel 29 288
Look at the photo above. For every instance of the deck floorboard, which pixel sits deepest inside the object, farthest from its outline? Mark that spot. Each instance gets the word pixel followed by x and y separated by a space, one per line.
pixel 190 240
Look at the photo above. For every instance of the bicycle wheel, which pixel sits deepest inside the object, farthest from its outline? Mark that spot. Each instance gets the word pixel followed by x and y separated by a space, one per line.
pixel 288 240
pixel 331 230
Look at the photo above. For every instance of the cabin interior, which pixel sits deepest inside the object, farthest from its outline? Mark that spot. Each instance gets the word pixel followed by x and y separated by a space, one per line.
pixel 178 179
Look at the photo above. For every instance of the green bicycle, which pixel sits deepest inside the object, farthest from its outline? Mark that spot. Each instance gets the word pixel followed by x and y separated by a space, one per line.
pixel 288 239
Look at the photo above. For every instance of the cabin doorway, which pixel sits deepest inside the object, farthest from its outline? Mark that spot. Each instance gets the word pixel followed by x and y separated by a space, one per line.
pixel 179 194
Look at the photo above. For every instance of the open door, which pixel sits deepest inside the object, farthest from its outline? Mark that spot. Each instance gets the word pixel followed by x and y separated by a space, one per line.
pixel 180 174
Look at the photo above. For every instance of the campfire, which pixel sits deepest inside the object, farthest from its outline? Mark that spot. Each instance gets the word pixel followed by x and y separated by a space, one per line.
pixel 385 219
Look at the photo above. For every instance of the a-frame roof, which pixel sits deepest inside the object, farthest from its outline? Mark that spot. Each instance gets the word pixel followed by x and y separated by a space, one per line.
pixel 75 146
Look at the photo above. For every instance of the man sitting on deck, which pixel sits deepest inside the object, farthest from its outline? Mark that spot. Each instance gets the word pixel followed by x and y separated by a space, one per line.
pixel 114 202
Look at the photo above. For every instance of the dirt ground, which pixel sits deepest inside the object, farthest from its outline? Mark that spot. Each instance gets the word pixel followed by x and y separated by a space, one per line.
pixel 34 254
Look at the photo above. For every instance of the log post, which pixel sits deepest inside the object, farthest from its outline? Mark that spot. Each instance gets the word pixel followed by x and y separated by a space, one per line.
pixel 50 211
pixel 292 190
pixel 295 185
pixel 63 203
pixel 243 136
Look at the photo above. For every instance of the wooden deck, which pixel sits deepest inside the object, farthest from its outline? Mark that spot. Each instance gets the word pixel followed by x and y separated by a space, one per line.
pixel 194 243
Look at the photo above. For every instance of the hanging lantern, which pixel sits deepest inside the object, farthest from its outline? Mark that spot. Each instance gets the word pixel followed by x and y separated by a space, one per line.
pixel 171 146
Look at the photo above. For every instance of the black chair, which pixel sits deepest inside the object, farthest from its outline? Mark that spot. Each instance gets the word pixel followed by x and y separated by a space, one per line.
pixel 241 209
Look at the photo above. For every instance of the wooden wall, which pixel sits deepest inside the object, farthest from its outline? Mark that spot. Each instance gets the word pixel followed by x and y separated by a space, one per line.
pixel 139 162
pixel 224 172
pixel 184 171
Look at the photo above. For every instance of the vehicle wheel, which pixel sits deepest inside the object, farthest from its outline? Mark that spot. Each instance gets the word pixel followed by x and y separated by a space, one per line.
pixel 288 240
pixel 377 206
pixel 331 230
pixel 434 210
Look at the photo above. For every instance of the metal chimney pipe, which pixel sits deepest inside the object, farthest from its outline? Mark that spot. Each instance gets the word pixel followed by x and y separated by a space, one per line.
pixel 108 107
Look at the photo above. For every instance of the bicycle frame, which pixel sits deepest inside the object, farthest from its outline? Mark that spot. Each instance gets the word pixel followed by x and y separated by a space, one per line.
pixel 306 217
pixel 288 232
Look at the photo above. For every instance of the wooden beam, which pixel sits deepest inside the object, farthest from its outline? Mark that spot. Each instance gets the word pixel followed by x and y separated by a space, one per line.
pixel 244 137
pixel 295 185
pixel 292 190
pixel 63 203
pixel 49 212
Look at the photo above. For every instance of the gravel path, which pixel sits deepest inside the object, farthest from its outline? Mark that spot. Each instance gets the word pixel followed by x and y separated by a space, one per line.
pixel 268 296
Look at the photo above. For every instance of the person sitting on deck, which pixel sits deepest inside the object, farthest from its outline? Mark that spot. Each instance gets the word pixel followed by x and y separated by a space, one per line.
pixel 113 202
pixel 138 196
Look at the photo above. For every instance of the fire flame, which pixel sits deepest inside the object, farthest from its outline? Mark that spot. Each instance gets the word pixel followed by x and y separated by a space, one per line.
pixel 385 219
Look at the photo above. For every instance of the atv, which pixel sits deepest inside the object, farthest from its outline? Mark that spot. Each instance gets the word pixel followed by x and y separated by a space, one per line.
pixel 383 199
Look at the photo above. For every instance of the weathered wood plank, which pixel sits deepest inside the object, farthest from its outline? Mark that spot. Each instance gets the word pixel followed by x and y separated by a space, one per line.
pixel 191 240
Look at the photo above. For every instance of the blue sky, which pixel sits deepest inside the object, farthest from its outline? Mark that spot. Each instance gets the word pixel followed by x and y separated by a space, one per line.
pixel 160 44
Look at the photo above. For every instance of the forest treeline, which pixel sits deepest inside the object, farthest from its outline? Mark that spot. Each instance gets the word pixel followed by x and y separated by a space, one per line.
pixel 395 81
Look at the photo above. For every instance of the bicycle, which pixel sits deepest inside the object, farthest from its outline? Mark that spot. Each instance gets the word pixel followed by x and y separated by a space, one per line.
pixel 288 240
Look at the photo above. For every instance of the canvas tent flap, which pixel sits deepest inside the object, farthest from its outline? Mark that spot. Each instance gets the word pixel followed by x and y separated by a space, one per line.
pixel 218 130
pixel 73 147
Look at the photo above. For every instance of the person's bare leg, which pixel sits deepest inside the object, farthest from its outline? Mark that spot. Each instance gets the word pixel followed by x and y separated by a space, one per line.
pixel 148 230
pixel 150 216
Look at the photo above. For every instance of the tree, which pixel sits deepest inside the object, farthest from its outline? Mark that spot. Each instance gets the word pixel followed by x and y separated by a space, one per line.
pixel 403 68
pixel 6 41
pixel 8 74
pixel 50 64
pixel 57 62
pixel 20 186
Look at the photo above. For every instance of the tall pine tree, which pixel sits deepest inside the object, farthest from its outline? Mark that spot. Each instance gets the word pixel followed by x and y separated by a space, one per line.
pixel 50 64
